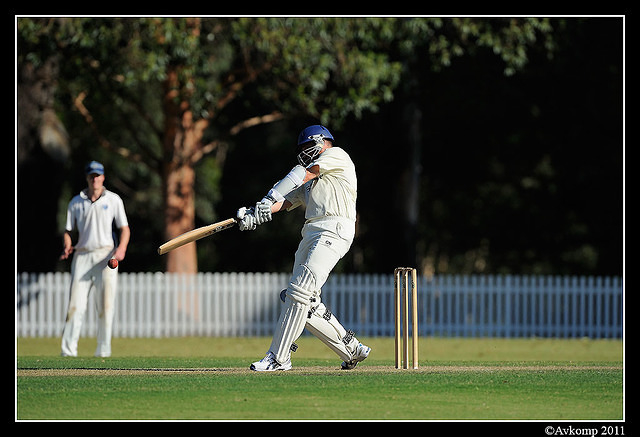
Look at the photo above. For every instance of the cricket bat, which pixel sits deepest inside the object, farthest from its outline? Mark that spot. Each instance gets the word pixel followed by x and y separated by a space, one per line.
pixel 196 234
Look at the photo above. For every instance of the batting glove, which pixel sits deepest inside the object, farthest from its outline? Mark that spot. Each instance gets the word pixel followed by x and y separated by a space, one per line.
pixel 263 212
pixel 246 219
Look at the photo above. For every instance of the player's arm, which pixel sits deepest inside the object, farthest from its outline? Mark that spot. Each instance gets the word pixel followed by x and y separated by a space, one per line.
pixel 274 201
pixel 67 245
pixel 280 206
pixel 67 240
pixel 297 177
pixel 121 250
pixel 311 173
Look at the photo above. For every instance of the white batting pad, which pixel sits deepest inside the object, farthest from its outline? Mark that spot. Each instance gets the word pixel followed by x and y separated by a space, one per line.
pixel 289 327
pixel 328 329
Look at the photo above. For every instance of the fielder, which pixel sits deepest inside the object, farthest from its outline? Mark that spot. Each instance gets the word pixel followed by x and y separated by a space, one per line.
pixel 325 183
pixel 92 214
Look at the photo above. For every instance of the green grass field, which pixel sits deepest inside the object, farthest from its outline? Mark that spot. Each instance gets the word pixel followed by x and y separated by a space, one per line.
pixel 208 379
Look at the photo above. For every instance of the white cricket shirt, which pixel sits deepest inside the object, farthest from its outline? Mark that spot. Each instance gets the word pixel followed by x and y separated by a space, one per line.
pixel 94 220
pixel 333 192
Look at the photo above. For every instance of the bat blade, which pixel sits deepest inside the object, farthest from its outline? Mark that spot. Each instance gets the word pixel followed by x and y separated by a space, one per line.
pixel 195 234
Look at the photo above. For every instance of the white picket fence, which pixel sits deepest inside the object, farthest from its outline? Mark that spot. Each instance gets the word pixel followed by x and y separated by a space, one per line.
pixel 247 304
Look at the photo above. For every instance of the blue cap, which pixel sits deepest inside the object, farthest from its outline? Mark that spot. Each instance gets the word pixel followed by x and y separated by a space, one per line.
pixel 94 167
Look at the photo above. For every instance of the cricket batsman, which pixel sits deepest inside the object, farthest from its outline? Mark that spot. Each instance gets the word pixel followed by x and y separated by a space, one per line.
pixel 93 213
pixel 325 183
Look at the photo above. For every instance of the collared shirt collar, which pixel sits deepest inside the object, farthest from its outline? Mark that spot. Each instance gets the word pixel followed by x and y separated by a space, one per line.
pixel 83 194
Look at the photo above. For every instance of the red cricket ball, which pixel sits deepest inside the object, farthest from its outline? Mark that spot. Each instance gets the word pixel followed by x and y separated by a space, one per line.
pixel 113 263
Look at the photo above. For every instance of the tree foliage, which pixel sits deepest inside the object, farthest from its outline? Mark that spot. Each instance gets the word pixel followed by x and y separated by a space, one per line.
pixel 193 116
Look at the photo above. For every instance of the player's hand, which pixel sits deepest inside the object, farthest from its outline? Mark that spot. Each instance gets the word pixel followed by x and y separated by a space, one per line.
pixel 263 211
pixel 66 252
pixel 246 219
pixel 119 253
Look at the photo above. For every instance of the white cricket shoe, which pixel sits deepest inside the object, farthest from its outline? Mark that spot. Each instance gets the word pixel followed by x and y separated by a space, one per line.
pixel 269 364
pixel 361 353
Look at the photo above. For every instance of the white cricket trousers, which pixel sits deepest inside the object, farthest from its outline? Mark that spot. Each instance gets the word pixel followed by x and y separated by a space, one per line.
pixel 324 243
pixel 90 269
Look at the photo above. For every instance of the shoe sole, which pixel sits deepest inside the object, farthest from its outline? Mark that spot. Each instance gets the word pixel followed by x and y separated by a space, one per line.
pixel 278 369
pixel 345 366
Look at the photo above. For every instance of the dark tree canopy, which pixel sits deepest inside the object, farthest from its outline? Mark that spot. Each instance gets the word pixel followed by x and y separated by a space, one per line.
pixel 483 145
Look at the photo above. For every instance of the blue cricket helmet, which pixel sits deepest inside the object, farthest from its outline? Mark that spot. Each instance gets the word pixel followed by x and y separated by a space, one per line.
pixel 309 132
pixel 310 143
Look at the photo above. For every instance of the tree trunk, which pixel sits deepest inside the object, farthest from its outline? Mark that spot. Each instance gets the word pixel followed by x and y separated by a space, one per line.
pixel 42 151
pixel 182 141
pixel 179 203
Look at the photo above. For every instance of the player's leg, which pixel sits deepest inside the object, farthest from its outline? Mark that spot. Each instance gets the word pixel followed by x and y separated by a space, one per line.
pixel 326 327
pixel 301 289
pixel 77 307
pixel 106 286
pixel 317 254
pixel 315 258
pixel 291 321
pixel 331 246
